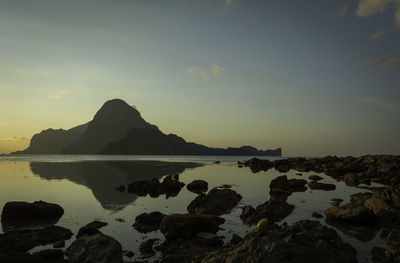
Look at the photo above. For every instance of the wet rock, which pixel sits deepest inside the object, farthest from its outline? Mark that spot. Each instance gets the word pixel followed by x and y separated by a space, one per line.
pixel 209 239
pixel 91 228
pixel 351 179
pixel 148 222
pixel 129 254
pixel 362 232
pixel 317 215
pixel 53 255
pixel 120 188
pixel 257 165
pixel 217 162
pixel 121 220
pixel 216 202
pixel 97 248
pixel 24 240
pixel 19 257
pixel 351 213
pixel 186 226
pixel 304 241
pixel 59 244
pixel 275 210
pixel 282 187
pixel 170 186
pixel 336 201
pixel 382 255
pixel 236 239
pixel 17 212
pixel 314 185
pixel 198 186
pixel 146 247
pixel 315 177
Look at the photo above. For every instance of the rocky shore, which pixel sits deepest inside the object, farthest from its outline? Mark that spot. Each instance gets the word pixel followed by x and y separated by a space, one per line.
pixel 194 236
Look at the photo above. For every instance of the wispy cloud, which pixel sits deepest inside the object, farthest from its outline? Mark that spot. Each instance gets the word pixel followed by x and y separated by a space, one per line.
pixel 218 70
pixel 381 103
pixel 191 69
pixel 68 91
pixel 205 72
pixel 368 8
pixel 383 62
pixel 14 139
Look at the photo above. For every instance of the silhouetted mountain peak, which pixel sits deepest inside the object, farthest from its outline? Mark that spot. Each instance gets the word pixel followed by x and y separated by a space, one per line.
pixel 116 111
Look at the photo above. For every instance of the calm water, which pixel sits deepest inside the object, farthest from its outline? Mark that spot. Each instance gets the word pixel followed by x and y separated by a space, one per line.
pixel 84 186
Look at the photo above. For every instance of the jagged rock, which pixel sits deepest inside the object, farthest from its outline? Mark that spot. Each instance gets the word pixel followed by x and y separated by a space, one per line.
pixel 24 240
pixel 362 232
pixel 19 212
pixel 216 202
pixel 304 241
pixel 352 213
pixel 186 226
pixel 146 247
pixel 236 239
pixel 209 239
pixel 198 186
pixel 275 210
pixel 129 254
pixel 97 248
pixel 315 177
pixel 148 222
pixel 317 215
pixel 91 228
pixel 281 187
pixel 170 186
pixel 336 201
pixel 314 185
pixel 351 179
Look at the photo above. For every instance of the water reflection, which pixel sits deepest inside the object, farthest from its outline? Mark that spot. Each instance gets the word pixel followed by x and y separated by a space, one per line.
pixel 102 177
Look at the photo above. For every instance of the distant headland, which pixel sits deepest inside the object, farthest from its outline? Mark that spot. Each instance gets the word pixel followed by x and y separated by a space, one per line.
pixel 118 128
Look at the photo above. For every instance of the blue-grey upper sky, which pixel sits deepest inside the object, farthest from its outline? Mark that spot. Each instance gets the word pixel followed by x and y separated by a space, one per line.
pixel 314 77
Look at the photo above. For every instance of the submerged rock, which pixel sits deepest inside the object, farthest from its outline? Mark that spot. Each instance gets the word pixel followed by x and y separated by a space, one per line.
pixel 97 248
pixel 314 185
pixel 24 240
pixel 148 222
pixel 19 212
pixel 304 241
pixel 216 202
pixel 187 226
pixel 198 186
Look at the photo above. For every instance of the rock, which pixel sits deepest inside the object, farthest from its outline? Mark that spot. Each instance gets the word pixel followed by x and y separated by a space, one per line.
pixel 170 186
pixel 209 239
pixel 315 177
pixel 19 257
pixel 299 174
pixel 216 202
pixel 381 255
pixel 275 210
pixel 129 254
pixel 317 215
pixel 97 248
pixel 121 220
pixel 304 241
pixel 362 232
pixel 236 239
pixel 24 240
pixel 351 213
pixel 120 188
pixel 217 162
pixel 19 212
pixel 148 222
pixel 59 244
pixel 50 255
pixel 281 187
pixel 314 185
pixel 186 226
pixel 351 179
pixel 198 186
pixel 91 228
pixel 336 201
pixel 146 248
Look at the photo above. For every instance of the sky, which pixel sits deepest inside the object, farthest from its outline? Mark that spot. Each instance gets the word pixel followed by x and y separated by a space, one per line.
pixel 315 77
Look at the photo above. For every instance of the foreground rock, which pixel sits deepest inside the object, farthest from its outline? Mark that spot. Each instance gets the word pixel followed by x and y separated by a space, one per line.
pixel 314 185
pixel 282 187
pixel 198 186
pixel 44 256
pixel 170 186
pixel 91 228
pixel 187 226
pixel 352 212
pixel 274 209
pixel 146 247
pixel 97 248
pixel 24 240
pixel 20 212
pixel 148 222
pixel 216 202
pixel 304 241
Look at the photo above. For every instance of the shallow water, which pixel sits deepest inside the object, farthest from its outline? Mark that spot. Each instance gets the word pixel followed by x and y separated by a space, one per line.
pixel 85 187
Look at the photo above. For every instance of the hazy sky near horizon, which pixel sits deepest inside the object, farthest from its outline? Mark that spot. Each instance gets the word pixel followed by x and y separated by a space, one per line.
pixel 314 77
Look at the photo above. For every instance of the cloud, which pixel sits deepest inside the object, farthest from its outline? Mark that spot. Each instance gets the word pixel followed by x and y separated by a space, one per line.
pixel 61 94
pixel 383 62
pixel 383 104
pixel 379 34
pixel 368 8
pixel 228 2
pixel 191 69
pixel 14 139
pixel 343 10
pixel 218 70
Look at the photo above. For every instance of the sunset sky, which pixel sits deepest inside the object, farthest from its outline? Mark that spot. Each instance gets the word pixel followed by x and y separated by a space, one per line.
pixel 315 77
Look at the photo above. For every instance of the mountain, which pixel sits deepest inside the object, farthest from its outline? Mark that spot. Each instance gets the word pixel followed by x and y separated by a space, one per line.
pixel 118 128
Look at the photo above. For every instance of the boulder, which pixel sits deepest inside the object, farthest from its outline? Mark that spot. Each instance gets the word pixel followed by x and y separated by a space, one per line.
pixel 351 179
pixel 170 186
pixel 351 213
pixel 97 248
pixel 148 222
pixel 146 247
pixel 198 186
pixel 16 212
pixel 314 185
pixel 315 177
pixel 91 228
pixel 50 255
pixel 24 240
pixel 209 239
pixel 216 202
pixel 274 209
pixel 186 226
pixel 316 215
pixel 281 187
pixel 336 201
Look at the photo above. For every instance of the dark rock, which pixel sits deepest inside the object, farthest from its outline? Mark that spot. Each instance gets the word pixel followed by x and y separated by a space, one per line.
pixel 317 215
pixel 121 220
pixel 198 186
pixel 315 177
pixel 129 254
pixel 217 162
pixel 59 244
pixel 148 222
pixel 336 201
pixel 381 255
pixel 170 186
pixel 236 239
pixel 281 187
pixel 351 213
pixel 216 202
pixel 362 232
pixel 146 247
pixel 50 255
pixel 299 174
pixel 351 179
pixel 17 212
pixel 91 228
pixel 209 239
pixel 274 209
pixel 186 226
pixel 24 240
pixel 19 257
pixel 304 241
pixel 314 185
pixel 97 248
pixel 120 188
